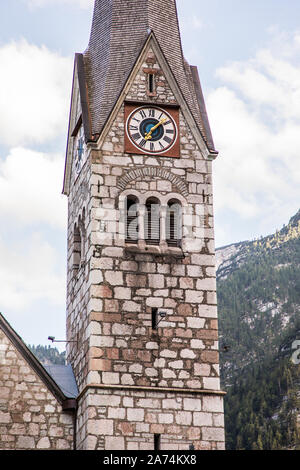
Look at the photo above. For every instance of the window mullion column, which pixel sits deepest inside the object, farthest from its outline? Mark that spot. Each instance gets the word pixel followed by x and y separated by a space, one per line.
pixel 163 226
pixel 141 225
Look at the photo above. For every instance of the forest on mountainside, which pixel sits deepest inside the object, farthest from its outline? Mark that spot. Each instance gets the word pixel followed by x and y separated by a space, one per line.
pixel 48 355
pixel 259 320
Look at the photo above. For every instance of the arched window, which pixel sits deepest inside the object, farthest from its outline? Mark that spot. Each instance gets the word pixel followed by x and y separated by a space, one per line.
pixel 76 249
pixel 174 223
pixel 132 225
pixel 152 222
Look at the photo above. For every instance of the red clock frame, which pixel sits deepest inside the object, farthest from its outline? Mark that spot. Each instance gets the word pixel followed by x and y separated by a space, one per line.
pixel 173 111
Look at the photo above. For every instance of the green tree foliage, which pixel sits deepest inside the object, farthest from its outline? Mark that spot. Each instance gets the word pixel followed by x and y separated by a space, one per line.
pixel 48 355
pixel 261 409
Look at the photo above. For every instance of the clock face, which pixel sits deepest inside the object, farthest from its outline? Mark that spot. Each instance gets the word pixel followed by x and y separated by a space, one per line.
pixel 151 130
pixel 80 150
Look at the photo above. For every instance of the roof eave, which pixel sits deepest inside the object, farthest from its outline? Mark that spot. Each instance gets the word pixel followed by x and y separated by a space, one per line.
pixel 35 364
pixel 79 69
pixel 202 107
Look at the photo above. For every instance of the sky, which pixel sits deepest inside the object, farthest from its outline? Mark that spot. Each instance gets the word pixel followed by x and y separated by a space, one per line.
pixel 248 56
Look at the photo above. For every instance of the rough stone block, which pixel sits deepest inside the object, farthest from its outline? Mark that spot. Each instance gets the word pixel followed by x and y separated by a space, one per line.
pixel 135 414
pixel 194 296
pixel 111 378
pixel 192 404
pixel 114 443
pixel 123 293
pixel 114 277
pixel 214 404
pixel 202 419
pixel 183 418
pixel 194 322
pixel 213 434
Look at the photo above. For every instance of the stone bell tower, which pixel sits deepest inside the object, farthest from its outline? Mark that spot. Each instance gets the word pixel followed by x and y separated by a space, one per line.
pixel 141 288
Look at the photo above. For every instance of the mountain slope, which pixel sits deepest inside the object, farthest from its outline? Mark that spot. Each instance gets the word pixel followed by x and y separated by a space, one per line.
pixel 259 315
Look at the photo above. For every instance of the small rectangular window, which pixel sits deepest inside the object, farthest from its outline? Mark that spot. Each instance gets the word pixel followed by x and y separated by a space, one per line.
pixel 151 82
pixel 157 441
pixel 154 318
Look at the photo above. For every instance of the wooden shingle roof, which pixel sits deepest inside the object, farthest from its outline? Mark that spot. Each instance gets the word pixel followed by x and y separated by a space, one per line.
pixel 120 29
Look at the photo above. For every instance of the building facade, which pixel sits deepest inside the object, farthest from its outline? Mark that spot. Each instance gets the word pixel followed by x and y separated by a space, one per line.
pixel 141 295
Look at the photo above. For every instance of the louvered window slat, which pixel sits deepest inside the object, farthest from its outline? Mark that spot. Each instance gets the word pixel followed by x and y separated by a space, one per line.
pixel 152 223
pixel 132 228
pixel 173 226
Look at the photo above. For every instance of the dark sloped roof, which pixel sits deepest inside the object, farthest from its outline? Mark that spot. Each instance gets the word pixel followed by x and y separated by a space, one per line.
pixel 120 29
pixel 65 379
pixel 61 384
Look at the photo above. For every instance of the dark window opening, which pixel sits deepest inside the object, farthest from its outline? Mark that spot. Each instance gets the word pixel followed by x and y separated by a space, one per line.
pixel 132 226
pixel 152 222
pixel 154 318
pixel 174 224
pixel 157 439
pixel 151 86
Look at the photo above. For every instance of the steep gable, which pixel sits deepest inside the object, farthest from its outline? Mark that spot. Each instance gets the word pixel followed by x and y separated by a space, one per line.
pixel 108 65
pixel 79 116
pixel 35 413
pixel 168 93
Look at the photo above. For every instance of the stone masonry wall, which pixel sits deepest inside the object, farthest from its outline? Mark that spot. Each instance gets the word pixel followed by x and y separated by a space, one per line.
pixel 111 296
pixel 114 292
pixel 30 416
pixel 128 420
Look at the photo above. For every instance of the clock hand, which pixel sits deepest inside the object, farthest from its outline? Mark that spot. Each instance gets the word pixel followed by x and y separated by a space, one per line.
pixel 148 135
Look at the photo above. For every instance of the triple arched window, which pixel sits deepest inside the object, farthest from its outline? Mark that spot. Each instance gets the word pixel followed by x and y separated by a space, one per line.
pixel 153 222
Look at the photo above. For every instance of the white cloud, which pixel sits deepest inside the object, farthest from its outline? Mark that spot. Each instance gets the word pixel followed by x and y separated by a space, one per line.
pixel 191 22
pixel 36 86
pixel 28 272
pixel 85 4
pixel 255 118
pixel 196 22
pixel 30 189
pixel 31 269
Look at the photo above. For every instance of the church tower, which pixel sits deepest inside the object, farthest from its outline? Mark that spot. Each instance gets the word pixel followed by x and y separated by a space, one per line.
pixel 141 288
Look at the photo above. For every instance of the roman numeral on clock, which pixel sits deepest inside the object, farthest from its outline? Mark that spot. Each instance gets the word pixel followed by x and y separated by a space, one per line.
pixel 152 113
pixel 136 136
pixel 167 139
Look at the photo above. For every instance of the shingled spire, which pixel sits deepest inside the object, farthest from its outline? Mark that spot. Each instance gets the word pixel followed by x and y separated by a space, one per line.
pixel 120 29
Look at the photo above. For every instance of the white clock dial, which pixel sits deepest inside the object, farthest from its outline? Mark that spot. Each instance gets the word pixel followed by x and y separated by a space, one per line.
pixel 80 152
pixel 151 129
